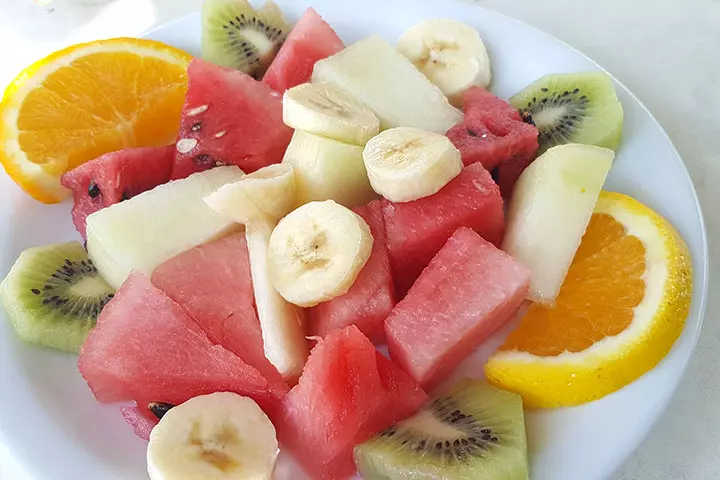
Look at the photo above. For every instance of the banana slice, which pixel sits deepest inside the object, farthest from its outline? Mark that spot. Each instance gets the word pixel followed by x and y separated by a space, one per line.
pixel 268 193
pixel 220 436
pixel 325 110
pixel 258 201
pixel 317 251
pixel 451 54
pixel 404 164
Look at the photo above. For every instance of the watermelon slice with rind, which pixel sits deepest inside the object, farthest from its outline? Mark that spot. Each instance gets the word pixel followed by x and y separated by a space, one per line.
pixel 145 348
pixel 114 177
pixel 229 118
pixel 469 290
pixel 311 40
pixel 417 230
pixel 347 393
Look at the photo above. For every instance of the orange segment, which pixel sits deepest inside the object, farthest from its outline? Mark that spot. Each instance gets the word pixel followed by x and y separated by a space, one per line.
pixel 87 100
pixel 603 286
pixel 622 306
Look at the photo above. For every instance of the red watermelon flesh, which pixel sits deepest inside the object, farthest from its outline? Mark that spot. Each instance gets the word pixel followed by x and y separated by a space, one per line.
pixel 233 118
pixel 145 347
pixel 468 291
pixel 493 132
pixel 311 40
pixel 417 230
pixel 141 420
pixel 212 284
pixel 115 177
pixel 371 298
pixel 347 393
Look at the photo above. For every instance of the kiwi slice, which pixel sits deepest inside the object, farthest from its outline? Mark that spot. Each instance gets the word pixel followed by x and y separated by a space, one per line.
pixel 53 295
pixel 572 108
pixel 236 35
pixel 474 432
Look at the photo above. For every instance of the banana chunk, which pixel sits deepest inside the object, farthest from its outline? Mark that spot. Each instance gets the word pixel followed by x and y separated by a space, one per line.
pixel 404 164
pixel 325 110
pixel 451 54
pixel 220 436
pixel 317 251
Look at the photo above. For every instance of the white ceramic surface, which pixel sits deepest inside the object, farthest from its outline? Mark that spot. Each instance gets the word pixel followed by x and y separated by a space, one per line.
pixel 48 409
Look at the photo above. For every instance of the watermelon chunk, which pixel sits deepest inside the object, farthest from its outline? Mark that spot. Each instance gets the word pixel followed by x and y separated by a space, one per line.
pixel 494 134
pixel 371 298
pixel 228 118
pixel 417 230
pixel 145 348
pixel 312 39
pixel 347 393
pixel 212 284
pixel 140 419
pixel 468 291
pixel 115 177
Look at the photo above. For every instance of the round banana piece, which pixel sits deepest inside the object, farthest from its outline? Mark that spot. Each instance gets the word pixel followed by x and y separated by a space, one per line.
pixel 268 193
pixel 317 251
pixel 221 436
pixel 451 54
pixel 328 111
pixel 404 164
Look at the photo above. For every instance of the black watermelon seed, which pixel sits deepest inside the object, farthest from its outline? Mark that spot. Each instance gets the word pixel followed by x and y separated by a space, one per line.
pixel 93 190
pixel 471 133
pixel 159 409
pixel 202 159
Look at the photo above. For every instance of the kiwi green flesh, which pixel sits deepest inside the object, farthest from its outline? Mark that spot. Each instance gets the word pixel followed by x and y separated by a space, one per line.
pixel 53 296
pixel 573 108
pixel 236 35
pixel 476 431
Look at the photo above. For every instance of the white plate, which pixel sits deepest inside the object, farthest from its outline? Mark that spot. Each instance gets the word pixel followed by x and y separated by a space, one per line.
pixel 53 427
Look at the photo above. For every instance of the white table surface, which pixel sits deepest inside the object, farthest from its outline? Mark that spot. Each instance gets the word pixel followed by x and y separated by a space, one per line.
pixel 666 51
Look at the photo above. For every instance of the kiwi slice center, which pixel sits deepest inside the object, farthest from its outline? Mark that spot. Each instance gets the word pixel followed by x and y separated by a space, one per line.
pixel 444 431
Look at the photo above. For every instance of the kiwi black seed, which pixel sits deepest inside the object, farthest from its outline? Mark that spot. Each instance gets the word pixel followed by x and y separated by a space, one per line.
pixel 572 108
pixel 54 294
pixel 476 431
pixel 159 409
pixel 236 35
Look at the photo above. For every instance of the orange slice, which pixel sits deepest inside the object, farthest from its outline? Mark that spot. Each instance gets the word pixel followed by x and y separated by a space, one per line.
pixel 86 100
pixel 621 308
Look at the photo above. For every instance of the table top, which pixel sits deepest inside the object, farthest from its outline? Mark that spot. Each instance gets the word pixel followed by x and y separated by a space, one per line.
pixel 664 51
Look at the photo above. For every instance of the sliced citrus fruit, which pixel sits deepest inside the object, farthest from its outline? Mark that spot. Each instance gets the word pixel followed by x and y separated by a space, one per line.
pixel 86 100
pixel 622 306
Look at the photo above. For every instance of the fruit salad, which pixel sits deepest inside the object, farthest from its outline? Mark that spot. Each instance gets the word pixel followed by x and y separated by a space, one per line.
pixel 266 218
